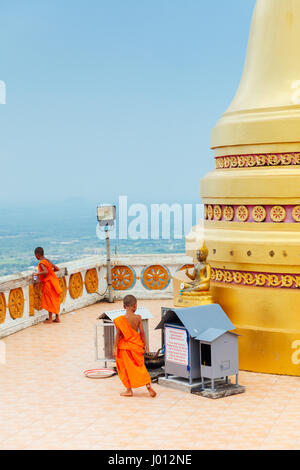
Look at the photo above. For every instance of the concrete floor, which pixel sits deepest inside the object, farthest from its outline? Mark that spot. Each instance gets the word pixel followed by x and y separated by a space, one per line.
pixel 47 403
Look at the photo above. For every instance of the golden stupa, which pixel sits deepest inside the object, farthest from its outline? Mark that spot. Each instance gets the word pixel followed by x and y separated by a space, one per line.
pixel 252 198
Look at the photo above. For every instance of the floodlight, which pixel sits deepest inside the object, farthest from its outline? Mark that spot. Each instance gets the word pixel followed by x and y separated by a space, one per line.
pixel 106 215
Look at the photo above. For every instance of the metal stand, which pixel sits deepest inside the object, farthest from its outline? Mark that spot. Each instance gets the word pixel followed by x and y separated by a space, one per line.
pixel 202 383
pixel 110 293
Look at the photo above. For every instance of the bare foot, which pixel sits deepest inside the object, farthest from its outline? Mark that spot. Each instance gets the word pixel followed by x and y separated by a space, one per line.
pixel 152 392
pixel 127 393
pixel 56 321
pixel 48 321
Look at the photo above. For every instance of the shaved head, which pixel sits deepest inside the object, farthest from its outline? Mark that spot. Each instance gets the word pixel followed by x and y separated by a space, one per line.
pixel 39 251
pixel 129 301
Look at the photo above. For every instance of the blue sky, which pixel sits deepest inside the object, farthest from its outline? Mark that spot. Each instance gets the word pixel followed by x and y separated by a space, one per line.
pixel 115 97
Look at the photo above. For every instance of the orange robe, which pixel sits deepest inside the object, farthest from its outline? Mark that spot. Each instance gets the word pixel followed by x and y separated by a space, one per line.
pixel 130 356
pixel 51 289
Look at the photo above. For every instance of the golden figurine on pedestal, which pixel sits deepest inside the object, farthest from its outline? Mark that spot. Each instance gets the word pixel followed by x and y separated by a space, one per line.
pixel 201 275
pixel 197 290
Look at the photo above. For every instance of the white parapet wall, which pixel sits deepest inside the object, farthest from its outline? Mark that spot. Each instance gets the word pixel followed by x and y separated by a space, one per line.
pixel 84 282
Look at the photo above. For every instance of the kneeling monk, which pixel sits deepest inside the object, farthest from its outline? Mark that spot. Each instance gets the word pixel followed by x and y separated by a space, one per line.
pixel 51 289
pixel 129 348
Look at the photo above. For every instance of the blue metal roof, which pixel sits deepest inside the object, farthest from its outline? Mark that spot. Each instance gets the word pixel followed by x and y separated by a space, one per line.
pixel 204 320
pixel 211 335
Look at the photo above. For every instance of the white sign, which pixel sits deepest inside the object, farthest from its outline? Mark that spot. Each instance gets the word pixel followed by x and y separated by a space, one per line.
pixel 177 349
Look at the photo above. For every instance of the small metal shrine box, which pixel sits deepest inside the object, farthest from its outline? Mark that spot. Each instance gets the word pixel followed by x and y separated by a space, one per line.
pixel 104 343
pixel 199 343
pixel 182 354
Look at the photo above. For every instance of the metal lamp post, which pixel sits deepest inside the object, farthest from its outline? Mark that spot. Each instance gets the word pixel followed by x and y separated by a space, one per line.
pixel 106 216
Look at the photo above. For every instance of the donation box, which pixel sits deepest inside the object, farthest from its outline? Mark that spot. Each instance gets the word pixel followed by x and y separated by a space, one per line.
pixel 199 343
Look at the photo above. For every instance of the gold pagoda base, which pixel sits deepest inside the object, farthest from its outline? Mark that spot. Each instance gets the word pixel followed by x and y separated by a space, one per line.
pixel 269 324
pixel 193 299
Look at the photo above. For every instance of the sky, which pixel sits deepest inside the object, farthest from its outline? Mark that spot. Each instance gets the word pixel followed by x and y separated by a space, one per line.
pixel 114 97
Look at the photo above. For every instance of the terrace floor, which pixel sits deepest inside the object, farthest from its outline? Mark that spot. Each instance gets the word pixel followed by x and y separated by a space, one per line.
pixel 47 403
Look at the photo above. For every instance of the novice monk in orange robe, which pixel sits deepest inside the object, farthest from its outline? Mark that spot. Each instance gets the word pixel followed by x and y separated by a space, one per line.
pixel 129 348
pixel 51 289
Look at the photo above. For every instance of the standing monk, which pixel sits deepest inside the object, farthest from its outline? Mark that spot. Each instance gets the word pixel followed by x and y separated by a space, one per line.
pixel 51 289
pixel 130 345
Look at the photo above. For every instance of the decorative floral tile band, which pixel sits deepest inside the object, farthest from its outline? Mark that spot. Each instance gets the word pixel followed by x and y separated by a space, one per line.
pixel 251 213
pixel 256 279
pixel 246 161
